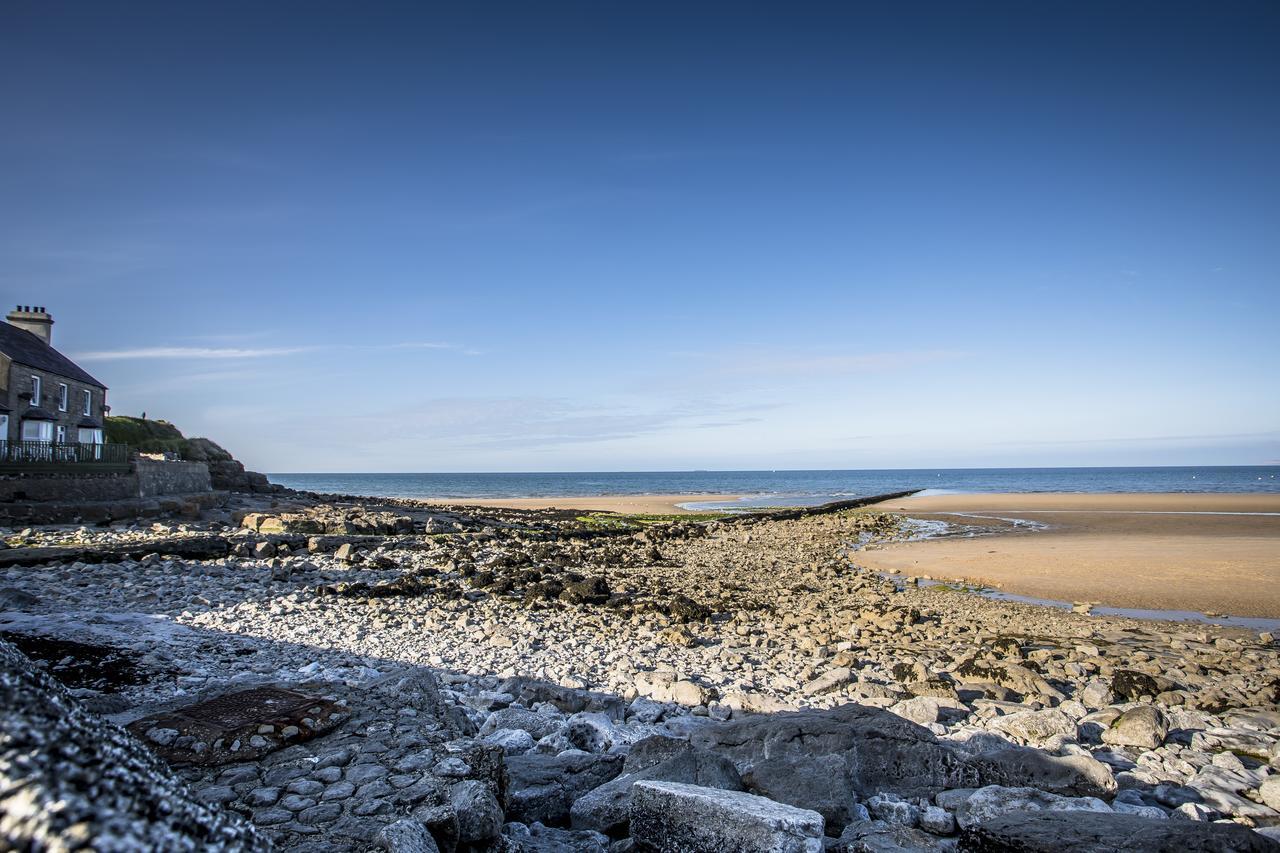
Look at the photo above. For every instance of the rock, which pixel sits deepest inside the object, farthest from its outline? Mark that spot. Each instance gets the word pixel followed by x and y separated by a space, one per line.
pixel 829 681
pixel 543 787
pixel 937 821
pixel 1132 685
pixel 537 838
pixel 994 800
pixel 1269 792
pixel 1144 726
pixel 537 725
pixel 827 760
pixel 877 836
pixel 1049 832
pixel 72 780
pixel 1035 727
pixel 922 710
pixel 670 817
pixel 893 810
pixel 406 836
pixel 1067 775
pixel 511 741
pixel 478 812
pixel 607 808
pixel 592 732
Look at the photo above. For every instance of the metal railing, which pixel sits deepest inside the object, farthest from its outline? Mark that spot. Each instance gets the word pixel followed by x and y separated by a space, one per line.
pixel 20 456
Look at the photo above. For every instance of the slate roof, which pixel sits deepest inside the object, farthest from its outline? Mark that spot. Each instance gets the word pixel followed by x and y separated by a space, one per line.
pixel 25 348
pixel 35 413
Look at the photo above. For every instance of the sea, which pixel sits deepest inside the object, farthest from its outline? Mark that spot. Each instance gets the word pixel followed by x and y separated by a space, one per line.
pixel 790 488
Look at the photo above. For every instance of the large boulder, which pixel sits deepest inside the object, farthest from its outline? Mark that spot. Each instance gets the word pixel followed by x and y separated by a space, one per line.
pixel 1068 775
pixel 607 808
pixel 543 787
pixel 827 760
pixel 1049 832
pixel 70 780
pixel 1143 726
pixel 670 817
pixel 995 800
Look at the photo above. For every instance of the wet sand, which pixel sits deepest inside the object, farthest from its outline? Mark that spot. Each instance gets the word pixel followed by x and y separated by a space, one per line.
pixel 1205 552
pixel 647 504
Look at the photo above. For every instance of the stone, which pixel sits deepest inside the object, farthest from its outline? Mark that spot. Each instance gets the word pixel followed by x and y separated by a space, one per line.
pixel 1269 792
pixel 1132 685
pixel 537 725
pixel 877 836
pixel 827 760
pixel 607 808
pixel 511 741
pixel 1144 727
pixel 1035 727
pixel 670 817
pixel 543 787
pixel 406 836
pixel 993 800
pixel 478 812
pixel 1049 832
pixel 893 810
pixel 1024 767
pixel 937 821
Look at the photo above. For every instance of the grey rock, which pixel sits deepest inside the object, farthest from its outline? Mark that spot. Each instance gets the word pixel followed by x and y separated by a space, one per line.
pixel 406 836
pixel 537 838
pixel 994 800
pixel 877 836
pixel 543 787
pixel 670 817
pixel 1144 726
pixel 606 809
pixel 478 812
pixel 537 725
pixel 1067 775
pixel 1048 832
pixel 826 760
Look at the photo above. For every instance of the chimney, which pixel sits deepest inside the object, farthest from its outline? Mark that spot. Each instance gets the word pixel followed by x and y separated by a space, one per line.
pixel 37 321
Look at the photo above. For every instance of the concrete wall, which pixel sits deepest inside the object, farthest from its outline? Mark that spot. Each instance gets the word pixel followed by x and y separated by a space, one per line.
pixel 148 479
pixel 171 478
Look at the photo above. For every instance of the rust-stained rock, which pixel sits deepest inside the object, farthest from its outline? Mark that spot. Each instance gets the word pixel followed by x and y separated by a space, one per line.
pixel 239 726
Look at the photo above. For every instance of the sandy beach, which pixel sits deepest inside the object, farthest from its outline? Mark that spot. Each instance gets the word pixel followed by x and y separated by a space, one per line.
pixel 648 504
pixel 1209 552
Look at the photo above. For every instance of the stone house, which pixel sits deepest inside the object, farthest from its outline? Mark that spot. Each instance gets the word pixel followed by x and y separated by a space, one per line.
pixel 45 396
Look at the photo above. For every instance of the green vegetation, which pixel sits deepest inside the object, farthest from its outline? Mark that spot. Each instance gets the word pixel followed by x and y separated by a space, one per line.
pixel 148 436
pixel 637 521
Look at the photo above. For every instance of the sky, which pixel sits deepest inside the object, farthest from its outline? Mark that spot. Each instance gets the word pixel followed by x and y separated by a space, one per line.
pixel 605 236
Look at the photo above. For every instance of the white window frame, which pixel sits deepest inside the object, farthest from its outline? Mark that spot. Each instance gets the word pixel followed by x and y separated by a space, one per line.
pixel 60 434
pixel 35 390
pixel 64 396
pixel 43 429
pixel 88 402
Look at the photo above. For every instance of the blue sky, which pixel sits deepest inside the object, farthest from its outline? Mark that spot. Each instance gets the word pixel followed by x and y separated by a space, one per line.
pixel 384 236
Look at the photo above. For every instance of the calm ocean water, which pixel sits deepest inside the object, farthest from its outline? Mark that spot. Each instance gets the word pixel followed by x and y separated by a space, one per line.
pixel 793 488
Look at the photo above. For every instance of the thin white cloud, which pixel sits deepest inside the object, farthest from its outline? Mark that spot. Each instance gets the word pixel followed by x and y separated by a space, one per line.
pixel 219 353
pixel 188 352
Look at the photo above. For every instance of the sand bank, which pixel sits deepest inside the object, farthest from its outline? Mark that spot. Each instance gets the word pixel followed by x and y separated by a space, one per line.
pixel 648 504
pixel 1206 552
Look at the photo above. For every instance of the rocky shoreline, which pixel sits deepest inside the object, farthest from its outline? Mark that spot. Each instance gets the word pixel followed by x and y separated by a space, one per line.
pixel 480 679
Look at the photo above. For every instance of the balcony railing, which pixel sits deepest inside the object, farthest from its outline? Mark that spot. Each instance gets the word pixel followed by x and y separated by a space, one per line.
pixel 48 456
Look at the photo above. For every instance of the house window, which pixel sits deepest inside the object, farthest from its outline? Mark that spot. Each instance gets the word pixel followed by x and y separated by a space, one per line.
pixel 88 402
pixel 37 431
pixel 35 390
pixel 62 434
pixel 62 396
pixel 90 436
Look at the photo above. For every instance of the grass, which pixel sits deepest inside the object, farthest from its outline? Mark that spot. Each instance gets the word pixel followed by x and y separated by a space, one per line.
pixel 145 435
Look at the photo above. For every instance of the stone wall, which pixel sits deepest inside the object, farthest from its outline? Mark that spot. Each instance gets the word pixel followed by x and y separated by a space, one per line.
pixel 170 478
pixel 79 488
pixel 18 381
